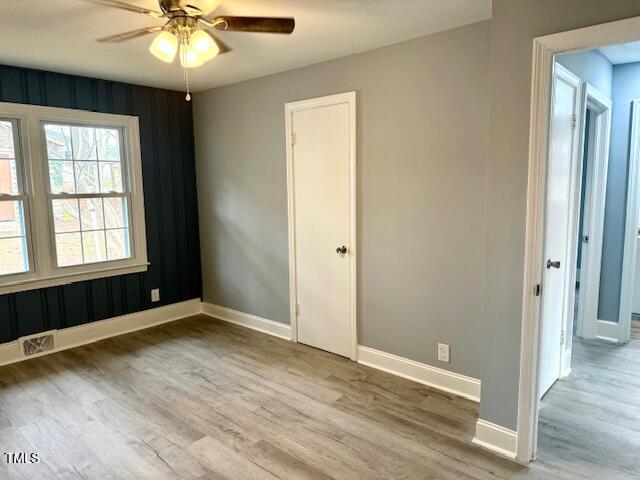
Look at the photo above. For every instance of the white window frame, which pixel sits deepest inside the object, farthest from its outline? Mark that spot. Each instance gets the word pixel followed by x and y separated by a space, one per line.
pixel 44 271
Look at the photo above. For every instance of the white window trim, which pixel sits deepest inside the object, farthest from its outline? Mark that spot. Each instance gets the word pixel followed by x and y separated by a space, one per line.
pixel 42 262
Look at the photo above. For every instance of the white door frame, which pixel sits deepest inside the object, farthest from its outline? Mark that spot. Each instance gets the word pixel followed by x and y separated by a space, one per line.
pixel 595 195
pixel 348 98
pixel 544 50
pixel 623 329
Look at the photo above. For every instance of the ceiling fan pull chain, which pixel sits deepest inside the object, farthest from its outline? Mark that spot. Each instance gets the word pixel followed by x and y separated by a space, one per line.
pixel 186 82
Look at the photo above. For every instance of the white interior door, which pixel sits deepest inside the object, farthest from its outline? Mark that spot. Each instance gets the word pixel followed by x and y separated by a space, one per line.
pixel 559 267
pixel 321 170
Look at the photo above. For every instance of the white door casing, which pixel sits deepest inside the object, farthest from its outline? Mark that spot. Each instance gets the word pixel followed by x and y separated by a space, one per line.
pixel 562 199
pixel 321 184
pixel 595 194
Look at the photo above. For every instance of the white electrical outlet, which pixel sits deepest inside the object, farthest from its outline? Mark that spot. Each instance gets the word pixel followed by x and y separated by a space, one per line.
pixel 155 295
pixel 443 352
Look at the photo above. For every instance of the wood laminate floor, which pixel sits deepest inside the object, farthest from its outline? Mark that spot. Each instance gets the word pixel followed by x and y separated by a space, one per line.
pixel 590 421
pixel 201 399
pixel 635 330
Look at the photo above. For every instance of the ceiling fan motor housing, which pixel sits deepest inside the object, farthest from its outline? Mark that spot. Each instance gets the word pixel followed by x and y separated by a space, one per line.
pixel 179 6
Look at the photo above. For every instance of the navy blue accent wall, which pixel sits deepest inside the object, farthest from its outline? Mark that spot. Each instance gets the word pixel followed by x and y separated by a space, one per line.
pixel 168 165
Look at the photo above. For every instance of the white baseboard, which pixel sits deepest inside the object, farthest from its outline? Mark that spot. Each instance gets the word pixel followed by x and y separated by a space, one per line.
pixel 461 385
pixel 92 332
pixel 253 322
pixel 495 438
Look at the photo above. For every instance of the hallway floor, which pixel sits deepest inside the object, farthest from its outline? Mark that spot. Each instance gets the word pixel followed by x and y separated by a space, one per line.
pixel 590 421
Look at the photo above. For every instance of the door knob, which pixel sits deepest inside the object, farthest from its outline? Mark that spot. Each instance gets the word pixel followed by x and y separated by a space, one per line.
pixel 341 250
pixel 551 264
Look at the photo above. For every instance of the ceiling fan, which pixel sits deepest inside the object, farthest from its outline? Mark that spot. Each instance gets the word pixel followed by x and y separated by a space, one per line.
pixel 188 31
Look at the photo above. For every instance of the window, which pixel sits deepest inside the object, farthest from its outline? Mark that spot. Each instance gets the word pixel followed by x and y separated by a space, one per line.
pixel 87 198
pixel 71 205
pixel 13 233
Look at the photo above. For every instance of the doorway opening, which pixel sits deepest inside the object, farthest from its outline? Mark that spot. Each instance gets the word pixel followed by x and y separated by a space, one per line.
pixel 580 366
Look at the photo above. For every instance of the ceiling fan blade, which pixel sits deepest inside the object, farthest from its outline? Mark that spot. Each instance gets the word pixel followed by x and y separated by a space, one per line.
pixel 224 48
pixel 128 7
pixel 254 24
pixel 121 37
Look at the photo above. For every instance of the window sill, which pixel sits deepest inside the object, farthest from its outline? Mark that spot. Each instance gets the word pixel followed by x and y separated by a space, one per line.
pixel 56 281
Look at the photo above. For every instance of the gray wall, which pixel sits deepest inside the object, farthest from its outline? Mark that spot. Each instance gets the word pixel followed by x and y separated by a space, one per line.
pixel 591 66
pixel 626 88
pixel 514 25
pixel 422 151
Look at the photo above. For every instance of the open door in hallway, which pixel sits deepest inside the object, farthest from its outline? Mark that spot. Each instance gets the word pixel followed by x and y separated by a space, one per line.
pixel 563 169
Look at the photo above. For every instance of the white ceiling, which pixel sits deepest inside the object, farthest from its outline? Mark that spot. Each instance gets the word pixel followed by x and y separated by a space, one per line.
pixel 622 53
pixel 58 35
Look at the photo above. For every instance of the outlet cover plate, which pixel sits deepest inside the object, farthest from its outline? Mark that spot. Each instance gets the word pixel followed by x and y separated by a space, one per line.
pixel 155 295
pixel 443 352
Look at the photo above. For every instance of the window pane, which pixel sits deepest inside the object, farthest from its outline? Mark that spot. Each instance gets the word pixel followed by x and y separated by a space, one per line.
pixel 94 246
pixel 115 212
pixel 110 177
pixel 61 177
pixel 12 219
pixel 58 142
pixel 84 143
pixel 7 149
pixel 118 244
pixel 8 177
pixel 86 177
pixel 91 213
pixel 66 217
pixel 108 141
pixel 13 255
pixel 68 249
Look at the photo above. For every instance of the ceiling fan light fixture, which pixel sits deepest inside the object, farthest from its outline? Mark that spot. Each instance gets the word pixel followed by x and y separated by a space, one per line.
pixel 204 45
pixel 164 46
pixel 189 58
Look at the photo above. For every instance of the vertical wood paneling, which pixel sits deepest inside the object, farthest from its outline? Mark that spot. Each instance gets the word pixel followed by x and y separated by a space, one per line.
pixel 166 136
pixel 6 330
pixel 29 312
pixel 191 201
pixel 58 90
pixel 177 172
pixel 35 88
pixel 75 305
pixel 54 307
pixel 167 203
pixel 100 299
pixel 10 85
